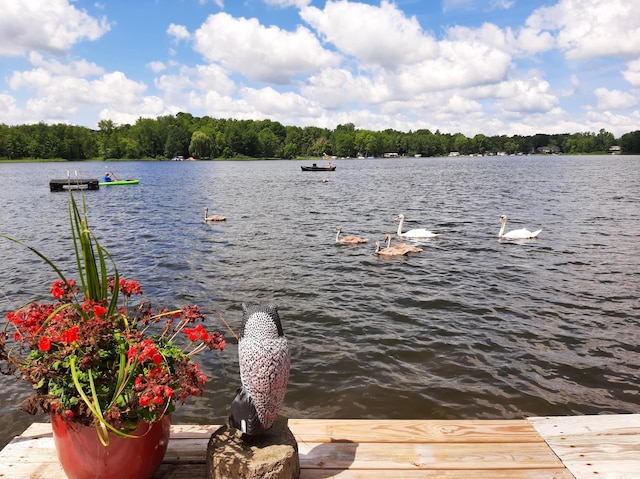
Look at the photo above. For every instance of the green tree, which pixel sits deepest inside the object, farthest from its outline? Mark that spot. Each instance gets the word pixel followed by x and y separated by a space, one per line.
pixel 366 143
pixel 311 141
pixel 461 144
pixel 290 151
pixel 174 134
pixel 322 146
pixel 146 132
pixel 200 145
pixel 293 142
pixel 344 139
pixel 630 143
pixel 604 140
pixel 270 144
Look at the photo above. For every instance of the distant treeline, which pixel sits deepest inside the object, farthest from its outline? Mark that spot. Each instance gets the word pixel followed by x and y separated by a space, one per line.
pixel 207 138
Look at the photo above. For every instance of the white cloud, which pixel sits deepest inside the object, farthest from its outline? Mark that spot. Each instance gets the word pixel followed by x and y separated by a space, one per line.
pixel 460 65
pixel 334 88
pixel 483 5
pixel 79 68
pixel 47 25
pixel 128 113
pixel 9 111
pixel 267 54
pixel 194 83
pixel 533 40
pixel 71 91
pixel 178 32
pixel 219 3
pixel 591 28
pixel 157 66
pixel 488 34
pixel 62 92
pixel 288 3
pixel 612 122
pixel 502 4
pixel 615 99
pixel 377 35
pixel 280 106
pixel 526 96
pixel 632 73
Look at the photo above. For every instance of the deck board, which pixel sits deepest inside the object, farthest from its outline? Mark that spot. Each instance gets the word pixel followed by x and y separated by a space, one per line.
pixel 601 446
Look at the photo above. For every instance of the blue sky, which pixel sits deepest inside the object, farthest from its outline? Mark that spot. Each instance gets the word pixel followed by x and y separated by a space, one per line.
pixel 472 66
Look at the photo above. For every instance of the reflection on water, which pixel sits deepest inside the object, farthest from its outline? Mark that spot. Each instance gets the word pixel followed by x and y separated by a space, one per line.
pixel 468 328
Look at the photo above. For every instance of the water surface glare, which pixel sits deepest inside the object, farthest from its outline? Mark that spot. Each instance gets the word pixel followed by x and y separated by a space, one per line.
pixel 468 328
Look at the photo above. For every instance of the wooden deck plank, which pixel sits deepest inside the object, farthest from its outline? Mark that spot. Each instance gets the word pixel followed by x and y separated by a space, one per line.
pixel 605 446
pixel 344 449
pixel 399 430
pixel 422 474
pixel 342 455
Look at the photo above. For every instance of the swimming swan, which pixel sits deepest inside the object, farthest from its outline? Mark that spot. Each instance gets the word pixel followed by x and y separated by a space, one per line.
pixel 390 251
pixel 515 234
pixel 208 218
pixel 417 233
pixel 349 239
pixel 401 246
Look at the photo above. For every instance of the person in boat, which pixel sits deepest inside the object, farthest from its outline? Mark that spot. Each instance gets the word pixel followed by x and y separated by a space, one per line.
pixel 109 177
pixel 329 165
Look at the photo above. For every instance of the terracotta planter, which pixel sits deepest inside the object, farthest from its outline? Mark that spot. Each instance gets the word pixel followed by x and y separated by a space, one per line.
pixel 83 456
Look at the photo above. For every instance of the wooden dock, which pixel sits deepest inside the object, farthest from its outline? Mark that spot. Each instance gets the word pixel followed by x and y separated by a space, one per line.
pixel 606 447
pixel 74 184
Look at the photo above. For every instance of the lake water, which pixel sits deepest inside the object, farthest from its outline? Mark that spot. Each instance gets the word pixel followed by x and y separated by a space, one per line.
pixel 468 328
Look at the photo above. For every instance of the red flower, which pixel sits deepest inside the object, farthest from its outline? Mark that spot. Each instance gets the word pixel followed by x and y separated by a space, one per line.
pixel 70 335
pixel 57 289
pixel 129 287
pixel 191 334
pixel 156 358
pixel 99 310
pixel 45 344
pixel 61 288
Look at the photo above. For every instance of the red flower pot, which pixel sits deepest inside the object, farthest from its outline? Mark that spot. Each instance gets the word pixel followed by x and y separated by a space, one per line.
pixel 83 456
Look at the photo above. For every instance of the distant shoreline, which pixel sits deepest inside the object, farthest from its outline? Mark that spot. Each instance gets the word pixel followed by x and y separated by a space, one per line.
pixel 116 160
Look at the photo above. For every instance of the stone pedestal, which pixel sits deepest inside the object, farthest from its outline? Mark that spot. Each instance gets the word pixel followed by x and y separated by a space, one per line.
pixel 274 455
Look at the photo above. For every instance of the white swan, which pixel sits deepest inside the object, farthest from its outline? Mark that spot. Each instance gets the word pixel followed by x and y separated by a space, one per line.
pixel 349 239
pixel 390 251
pixel 416 233
pixel 515 234
pixel 208 218
pixel 402 246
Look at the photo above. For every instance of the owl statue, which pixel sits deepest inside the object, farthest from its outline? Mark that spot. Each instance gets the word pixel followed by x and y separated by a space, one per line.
pixel 263 353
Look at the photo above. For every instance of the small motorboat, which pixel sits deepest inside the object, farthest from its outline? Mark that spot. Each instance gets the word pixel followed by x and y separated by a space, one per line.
pixel 119 182
pixel 315 167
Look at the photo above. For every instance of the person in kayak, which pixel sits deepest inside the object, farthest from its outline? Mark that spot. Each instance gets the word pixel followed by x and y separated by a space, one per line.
pixel 109 177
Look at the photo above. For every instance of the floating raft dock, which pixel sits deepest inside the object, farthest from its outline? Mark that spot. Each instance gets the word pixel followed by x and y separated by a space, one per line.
pixel 575 447
pixel 74 184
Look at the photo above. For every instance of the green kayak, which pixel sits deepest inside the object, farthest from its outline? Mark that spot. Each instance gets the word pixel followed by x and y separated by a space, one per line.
pixel 119 183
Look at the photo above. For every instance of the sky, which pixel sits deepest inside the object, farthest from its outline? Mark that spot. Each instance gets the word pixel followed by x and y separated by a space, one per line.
pixel 493 67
